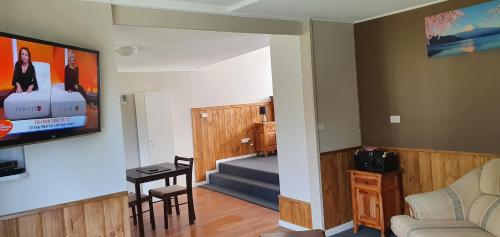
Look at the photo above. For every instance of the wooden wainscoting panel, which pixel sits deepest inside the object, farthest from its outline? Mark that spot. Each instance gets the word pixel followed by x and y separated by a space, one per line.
pixel 9 228
pixel 53 223
pixel 96 217
pixel 74 221
pixel 295 211
pixel 219 135
pixel 422 171
pixel 428 170
pixel 126 218
pixel 113 217
pixel 336 186
pixel 32 226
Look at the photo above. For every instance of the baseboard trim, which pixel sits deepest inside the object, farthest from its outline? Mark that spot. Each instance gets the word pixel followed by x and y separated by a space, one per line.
pixel 291 226
pixel 200 183
pixel 217 162
pixel 340 228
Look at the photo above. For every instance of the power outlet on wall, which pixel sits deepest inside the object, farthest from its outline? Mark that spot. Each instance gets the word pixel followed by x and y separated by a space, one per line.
pixel 321 126
pixel 395 119
pixel 245 140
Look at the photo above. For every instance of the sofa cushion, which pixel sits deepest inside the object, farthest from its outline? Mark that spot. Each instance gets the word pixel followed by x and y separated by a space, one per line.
pixel 405 226
pixel 485 212
pixel 490 178
pixel 450 203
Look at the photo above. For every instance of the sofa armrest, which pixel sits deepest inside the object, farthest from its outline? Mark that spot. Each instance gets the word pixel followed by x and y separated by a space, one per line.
pixel 431 205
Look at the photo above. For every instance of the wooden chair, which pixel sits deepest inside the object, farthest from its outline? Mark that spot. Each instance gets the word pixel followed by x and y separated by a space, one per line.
pixel 132 203
pixel 172 191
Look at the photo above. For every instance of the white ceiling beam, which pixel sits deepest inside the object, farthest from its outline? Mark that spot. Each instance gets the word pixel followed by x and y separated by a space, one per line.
pixel 171 5
pixel 101 1
pixel 241 4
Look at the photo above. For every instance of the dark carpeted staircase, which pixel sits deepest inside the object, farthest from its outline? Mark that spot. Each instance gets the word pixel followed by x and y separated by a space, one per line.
pixel 252 179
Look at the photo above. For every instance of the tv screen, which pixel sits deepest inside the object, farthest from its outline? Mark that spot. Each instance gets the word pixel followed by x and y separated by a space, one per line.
pixel 47 90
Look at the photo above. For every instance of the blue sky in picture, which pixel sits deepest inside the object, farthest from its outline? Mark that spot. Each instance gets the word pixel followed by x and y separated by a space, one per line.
pixel 483 15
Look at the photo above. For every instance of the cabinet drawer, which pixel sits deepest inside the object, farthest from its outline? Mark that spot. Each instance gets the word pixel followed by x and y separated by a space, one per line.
pixel 269 127
pixel 366 181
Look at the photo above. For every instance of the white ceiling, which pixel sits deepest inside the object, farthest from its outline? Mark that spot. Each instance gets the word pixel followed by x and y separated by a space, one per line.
pixel 181 50
pixel 187 50
pixel 334 10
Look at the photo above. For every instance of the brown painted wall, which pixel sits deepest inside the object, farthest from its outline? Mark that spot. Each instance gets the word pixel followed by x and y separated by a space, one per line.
pixel 448 103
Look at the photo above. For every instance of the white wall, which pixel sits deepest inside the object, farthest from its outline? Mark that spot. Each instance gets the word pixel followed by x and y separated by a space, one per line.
pixel 243 79
pixel 179 91
pixel 177 86
pixel 336 85
pixel 239 80
pixel 290 120
pixel 313 155
pixel 129 129
pixel 81 167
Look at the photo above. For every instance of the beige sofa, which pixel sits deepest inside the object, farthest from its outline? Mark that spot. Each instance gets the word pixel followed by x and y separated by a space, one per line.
pixel 470 207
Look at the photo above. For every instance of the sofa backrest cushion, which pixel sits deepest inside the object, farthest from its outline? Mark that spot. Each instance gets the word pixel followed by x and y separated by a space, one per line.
pixel 466 190
pixel 490 178
pixel 485 212
pixel 450 203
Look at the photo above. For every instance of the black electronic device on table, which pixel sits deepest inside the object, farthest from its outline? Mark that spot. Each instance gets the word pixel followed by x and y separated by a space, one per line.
pixel 153 169
pixel 8 168
pixel 8 164
pixel 375 159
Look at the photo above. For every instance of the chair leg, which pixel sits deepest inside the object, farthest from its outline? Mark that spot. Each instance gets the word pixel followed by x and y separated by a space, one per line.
pixel 134 214
pixel 165 212
pixel 169 201
pixel 152 213
pixel 176 199
pixel 194 214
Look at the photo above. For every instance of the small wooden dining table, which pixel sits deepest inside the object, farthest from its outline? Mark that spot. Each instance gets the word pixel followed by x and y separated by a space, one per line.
pixel 137 178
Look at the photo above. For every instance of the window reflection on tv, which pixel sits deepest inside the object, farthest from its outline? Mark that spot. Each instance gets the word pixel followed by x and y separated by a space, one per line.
pixel 47 90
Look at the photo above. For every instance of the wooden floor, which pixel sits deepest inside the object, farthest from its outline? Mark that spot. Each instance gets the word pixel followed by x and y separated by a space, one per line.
pixel 216 215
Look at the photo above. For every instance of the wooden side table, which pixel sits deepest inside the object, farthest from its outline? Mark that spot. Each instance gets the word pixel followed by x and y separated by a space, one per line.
pixel 265 137
pixel 376 197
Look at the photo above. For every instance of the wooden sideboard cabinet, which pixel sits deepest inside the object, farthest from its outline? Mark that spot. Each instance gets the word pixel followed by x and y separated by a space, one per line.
pixel 265 137
pixel 376 197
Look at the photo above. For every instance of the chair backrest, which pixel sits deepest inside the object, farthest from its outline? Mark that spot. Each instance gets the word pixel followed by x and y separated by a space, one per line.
pixel 183 161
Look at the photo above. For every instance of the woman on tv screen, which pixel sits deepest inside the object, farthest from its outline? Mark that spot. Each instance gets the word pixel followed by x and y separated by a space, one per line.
pixel 24 78
pixel 72 78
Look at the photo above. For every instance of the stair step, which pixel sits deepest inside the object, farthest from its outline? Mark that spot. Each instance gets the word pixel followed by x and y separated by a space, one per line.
pixel 243 196
pixel 257 188
pixel 265 176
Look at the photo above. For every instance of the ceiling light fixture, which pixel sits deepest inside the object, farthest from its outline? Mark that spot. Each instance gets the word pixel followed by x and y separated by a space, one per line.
pixel 127 51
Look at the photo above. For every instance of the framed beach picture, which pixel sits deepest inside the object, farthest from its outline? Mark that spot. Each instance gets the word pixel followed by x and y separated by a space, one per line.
pixel 465 30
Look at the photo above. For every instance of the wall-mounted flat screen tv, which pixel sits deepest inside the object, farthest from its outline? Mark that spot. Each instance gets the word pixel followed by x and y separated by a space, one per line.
pixel 47 90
